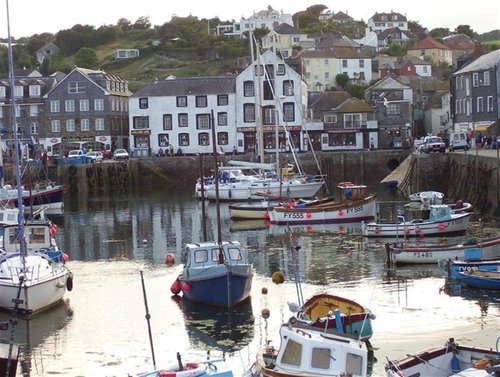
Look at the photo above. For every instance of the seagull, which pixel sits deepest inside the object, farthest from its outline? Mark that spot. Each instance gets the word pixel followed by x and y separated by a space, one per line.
pixel 293 307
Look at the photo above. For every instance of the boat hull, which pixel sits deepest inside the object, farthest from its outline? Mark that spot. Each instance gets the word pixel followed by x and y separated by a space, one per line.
pixel 455 226
pixel 481 279
pixel 432 254
pixel 452 268
pixel 225 289
pixel 44 285
pixel 337 213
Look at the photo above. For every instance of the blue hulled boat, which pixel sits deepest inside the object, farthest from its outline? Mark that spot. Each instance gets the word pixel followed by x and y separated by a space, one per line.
pixel 481 279
pixel 216 274
pixel 453 268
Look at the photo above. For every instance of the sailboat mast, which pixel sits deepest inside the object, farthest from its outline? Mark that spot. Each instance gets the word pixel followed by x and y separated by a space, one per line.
pixel 258 96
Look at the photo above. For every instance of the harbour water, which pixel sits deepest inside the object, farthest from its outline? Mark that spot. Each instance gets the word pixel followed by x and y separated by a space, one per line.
pixel 101 329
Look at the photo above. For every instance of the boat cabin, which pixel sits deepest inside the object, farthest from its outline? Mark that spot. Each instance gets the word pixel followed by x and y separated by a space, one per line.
pixel 304 351
pixel 349 191
pixel 37 237
pixel 205 254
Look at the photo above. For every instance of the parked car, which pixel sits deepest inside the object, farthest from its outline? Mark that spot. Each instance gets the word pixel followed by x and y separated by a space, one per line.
pixel 120 154
pixel 433 144
pixel 74 153
pixel 495 144
pixel 107 154
pixel 94 156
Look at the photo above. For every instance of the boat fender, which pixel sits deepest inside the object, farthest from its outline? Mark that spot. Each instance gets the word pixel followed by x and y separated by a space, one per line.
pixel 455 364
pixel 53 229
pixel 176 287
pixel 69 283
pixel 376 230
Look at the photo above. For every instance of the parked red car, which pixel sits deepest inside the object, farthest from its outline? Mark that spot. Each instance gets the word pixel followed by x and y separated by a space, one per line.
pixel 107 154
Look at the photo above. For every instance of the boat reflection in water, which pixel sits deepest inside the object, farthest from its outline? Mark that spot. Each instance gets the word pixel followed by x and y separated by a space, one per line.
pixel 218 329
pixel 30 333
pixel 484 298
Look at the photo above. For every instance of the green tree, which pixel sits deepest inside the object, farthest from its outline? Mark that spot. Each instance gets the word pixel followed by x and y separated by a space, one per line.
pixel 124 24
pixel 439 33
pixel 342 79
pixel 394 49
pixel 86 58
pixel 142 23
pixel 465 29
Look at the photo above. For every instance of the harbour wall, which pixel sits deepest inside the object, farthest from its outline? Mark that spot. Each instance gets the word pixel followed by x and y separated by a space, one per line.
pixel 469 177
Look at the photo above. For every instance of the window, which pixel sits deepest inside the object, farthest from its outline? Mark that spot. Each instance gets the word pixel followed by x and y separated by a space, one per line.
pixel 393 109
pixel 70 125
pixel 141 122
pixel 201 101
pixel 163 140
pixel 76 87
pixel 183 120
pixel 486 76
pixel 354 364
pixel 34 128
pixel 85 125
pixel 203 139
pixel 55 125
pixel 2 91
pixel 327 75
pixel 33 110
pixel 344 63
pixel 361 63
pixel 281 70
pixel 222 138
pixel 222 100
pixel 143 103
pixel 69 105
pixel 475 79
pixel 288 88
pixel 330 119
pixel 352 120
pixel 424 69
pixel 249 112
pixel 467 86
pixel 289 112
pixel 203 121
pixel 18 91
pixel 84 105
pixel 480 104
pixel 35 90
pixel 362 76
pixel 292 354
pixel 99 104
pixel 222 119
pixel 248 89
pixel 141 141
pixel 99 124
pixel 183 140
pixel 321 358
pixel 181 101
pixel 167 121
pixel 489 104
pixel 325 62
pixel 259 69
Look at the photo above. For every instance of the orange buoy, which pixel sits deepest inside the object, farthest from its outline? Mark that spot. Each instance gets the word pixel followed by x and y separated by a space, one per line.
pixel 176 287
pixel 265 313
pixel 170 259
pixel 278 277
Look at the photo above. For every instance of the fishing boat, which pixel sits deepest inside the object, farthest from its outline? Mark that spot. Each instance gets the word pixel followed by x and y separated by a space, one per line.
pixel 319 311
pixel 449 360
pixel 427 197
pixel 452 268
pixel 251 210
pixel 215 274
pixel 480 279
pixel 354 205
pixel 471 249
pixel 197 368
pixel 442 221
pixel 30 279
pixel 43 194
pixel 305 351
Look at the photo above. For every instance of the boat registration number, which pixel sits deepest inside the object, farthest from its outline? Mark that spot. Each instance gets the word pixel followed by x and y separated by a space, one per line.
pixel 423 255
pixel 354 209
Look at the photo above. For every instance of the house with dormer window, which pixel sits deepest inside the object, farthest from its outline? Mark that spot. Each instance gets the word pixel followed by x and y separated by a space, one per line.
pixel 383 21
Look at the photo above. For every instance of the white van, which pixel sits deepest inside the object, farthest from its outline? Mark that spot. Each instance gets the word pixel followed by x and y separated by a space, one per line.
pixel 459 140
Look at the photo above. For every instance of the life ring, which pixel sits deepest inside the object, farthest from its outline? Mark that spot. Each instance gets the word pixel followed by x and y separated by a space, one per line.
pixel 190 370
pixel 69 283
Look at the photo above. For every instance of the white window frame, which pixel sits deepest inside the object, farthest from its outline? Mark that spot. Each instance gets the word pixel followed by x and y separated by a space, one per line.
pixel 84 104
pixel 98 104
pixel 69 105
pixel 70 125
pixel 99 124
pixel 85 124
pixel 55 106
pixel 55 125
pixel 35 90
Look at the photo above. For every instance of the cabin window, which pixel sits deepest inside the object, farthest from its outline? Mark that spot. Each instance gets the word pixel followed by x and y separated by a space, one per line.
pixel 292 354
pixel 36 235
pixel 354 364
pixel 234 253
pixel 200 256
pixel 321 358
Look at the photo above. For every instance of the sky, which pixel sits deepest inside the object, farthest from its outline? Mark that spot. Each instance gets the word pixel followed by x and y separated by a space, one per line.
pixel 28 17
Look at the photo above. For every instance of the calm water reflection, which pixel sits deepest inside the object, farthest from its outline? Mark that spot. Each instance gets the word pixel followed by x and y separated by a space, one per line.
pixel 101 329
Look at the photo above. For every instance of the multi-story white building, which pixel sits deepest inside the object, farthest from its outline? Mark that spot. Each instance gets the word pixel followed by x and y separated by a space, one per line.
pixel 268 18
pixel 179 112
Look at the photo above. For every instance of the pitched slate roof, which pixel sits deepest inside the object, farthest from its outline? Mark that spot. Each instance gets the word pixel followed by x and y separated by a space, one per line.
pixel 377 17
pixel 325 101
pixel 354 105
pixel 429 44
pixel 189 86
pixel 484 62
pixel 341 16
pixel 286 29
